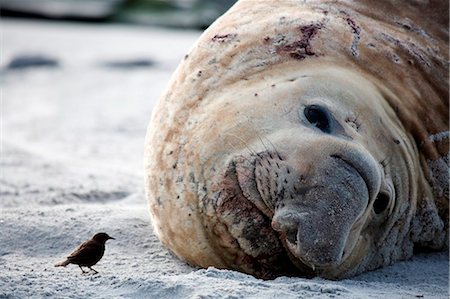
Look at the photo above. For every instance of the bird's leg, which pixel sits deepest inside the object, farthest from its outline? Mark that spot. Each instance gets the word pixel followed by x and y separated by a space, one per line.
pixel 84 272
pixel 96 272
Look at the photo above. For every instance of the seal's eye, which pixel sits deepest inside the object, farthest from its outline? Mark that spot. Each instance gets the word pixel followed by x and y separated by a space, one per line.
pixel 318 117
pixel 381 203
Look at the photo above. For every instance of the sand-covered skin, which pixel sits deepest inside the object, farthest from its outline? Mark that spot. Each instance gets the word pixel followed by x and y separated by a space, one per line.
pixel 71 166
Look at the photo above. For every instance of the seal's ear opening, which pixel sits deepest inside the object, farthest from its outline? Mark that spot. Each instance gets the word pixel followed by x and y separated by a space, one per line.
pixel 381 203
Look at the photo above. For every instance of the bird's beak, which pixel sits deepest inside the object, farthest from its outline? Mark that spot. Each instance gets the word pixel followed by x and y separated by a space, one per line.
pixel 112 238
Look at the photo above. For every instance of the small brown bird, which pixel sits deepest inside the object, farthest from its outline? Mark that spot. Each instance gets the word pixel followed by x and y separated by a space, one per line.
pixel 88 253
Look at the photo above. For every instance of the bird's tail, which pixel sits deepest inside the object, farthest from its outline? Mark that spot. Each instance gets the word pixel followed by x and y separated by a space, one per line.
pixel 63 263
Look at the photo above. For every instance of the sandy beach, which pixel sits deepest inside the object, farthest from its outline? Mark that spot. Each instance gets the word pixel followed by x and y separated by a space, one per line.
pixel 72 140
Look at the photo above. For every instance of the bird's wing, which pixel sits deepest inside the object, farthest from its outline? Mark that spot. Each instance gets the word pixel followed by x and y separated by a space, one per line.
pixel 89 251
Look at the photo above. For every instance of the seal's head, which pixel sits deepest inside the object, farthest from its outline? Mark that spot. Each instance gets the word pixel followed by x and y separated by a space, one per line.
pixel 306 154
pixel 296 140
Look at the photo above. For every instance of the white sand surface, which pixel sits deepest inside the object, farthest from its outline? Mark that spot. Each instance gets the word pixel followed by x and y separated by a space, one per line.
pixel 71 165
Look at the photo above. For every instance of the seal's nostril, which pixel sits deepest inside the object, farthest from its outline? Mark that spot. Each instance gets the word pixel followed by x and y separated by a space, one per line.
pixel 286 224
pixel 381 203
pixel 291 235
pixel 275 225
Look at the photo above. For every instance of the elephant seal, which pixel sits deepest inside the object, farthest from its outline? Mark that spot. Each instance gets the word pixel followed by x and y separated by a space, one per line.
pixel 305 138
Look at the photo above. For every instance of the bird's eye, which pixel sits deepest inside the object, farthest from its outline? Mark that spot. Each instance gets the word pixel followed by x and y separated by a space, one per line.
pixel 318 116
pixel 381 203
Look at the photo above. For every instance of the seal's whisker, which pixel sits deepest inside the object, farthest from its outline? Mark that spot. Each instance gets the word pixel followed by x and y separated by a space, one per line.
pixel 235 149
pixel 274 148
pixel 262 142
pixel 249 177
pixel 250 149
pixel 256 153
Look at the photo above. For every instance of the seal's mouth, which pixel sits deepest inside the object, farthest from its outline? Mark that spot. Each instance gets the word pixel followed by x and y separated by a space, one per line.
pixel 297 258
pixel 244 169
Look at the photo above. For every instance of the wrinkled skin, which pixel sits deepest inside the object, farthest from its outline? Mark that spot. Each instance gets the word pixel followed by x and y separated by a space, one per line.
pixel 317 203
pixel 304 167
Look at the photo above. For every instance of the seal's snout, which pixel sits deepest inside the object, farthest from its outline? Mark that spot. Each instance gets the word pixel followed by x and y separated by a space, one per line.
pixel 316 254
pixel 315 213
